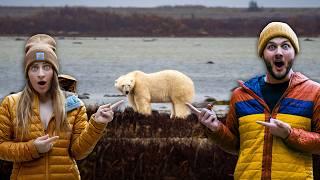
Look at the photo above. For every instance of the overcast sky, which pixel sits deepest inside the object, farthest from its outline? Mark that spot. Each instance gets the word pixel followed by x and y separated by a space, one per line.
pixel 153 3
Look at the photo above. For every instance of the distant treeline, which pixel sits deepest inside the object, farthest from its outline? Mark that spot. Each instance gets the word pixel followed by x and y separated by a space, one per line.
pixel 79 21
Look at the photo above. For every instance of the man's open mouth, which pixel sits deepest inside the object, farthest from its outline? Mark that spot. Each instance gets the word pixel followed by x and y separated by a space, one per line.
pixel 279 64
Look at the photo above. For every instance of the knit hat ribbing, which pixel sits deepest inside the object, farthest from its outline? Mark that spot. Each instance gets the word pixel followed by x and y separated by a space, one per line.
pixel 277 29
pixel 40 47
pixel 40 38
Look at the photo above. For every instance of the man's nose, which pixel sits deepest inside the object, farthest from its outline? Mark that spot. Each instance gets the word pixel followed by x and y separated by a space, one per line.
pixel 279 52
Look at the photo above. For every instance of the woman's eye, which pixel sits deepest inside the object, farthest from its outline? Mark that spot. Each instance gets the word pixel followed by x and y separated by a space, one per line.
pixel 34 68
pixel 47 67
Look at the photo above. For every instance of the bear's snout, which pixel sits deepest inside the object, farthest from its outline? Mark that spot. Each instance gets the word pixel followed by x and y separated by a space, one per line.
pixel 127 92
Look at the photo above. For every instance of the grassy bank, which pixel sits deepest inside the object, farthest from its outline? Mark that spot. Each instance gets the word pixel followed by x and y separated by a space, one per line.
pixel 154 147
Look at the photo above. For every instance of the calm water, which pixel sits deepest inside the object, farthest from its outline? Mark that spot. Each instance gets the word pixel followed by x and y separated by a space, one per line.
pixel 96 63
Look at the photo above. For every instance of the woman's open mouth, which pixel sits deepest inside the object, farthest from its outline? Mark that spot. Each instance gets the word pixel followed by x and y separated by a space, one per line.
pixel 41 83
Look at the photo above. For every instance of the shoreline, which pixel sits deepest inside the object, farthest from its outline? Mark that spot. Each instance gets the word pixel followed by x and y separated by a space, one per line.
pixel 92 101
pixel 221 107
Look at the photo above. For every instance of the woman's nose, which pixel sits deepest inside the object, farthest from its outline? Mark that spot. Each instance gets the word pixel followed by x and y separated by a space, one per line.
pixel 41 72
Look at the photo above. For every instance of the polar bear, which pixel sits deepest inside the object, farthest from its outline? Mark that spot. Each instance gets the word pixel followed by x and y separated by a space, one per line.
pixel 159 87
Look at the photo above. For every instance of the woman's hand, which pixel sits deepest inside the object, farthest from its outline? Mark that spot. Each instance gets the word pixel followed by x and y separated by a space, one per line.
pixel 45 143
pixel 104 113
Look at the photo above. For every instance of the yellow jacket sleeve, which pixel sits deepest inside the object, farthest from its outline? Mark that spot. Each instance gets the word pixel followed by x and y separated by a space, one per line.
pixel 9 149
pixel 85 134
pixel 227 135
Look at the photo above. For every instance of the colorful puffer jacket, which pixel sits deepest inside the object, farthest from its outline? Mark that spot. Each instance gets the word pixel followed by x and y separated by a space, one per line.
pixel 59 162
pixel 262 155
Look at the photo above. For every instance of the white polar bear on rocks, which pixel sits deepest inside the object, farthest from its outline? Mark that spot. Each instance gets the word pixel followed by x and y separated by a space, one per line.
pixel 165 86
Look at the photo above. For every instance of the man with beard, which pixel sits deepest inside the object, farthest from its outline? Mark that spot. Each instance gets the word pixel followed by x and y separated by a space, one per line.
pixel 273 122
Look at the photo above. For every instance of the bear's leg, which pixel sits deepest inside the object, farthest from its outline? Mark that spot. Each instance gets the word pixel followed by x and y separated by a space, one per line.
pixel 173 113
pixel 132 103
pixel 143 106
pixel 181 110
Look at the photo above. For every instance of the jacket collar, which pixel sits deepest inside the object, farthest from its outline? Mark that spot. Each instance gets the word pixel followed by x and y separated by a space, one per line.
pixel 72 102
pixel 36 104
pixel 254 85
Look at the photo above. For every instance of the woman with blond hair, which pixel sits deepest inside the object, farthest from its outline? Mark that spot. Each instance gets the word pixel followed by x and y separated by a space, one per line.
pixel 42 131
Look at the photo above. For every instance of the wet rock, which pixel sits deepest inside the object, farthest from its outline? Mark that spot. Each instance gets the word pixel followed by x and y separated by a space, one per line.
pixel 83 96
pixel 308 39
pixel 210 62
pixel 210 99
pixel 19 39
pixel 200 104
pixel 77 42
pixel 114 95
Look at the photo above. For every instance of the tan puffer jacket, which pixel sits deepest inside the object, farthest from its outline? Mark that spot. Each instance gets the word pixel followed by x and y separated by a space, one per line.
pixel 59 162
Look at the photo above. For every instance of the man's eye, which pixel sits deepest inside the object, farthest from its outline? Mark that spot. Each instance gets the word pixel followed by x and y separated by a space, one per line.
pixel 286 46
pixel 271 47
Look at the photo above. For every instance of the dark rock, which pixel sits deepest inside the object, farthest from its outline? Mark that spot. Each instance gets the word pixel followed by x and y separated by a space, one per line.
pixel 308 39
pixel 210 99
pixel 210 62
pixel 114 95
pixel 200 104
pixel 82 96
pixel 20 39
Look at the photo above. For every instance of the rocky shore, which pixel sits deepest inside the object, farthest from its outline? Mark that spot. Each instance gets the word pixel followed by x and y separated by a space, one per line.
pixel 219 106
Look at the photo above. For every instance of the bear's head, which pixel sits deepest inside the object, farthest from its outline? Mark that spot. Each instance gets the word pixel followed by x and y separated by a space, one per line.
pixel 125 84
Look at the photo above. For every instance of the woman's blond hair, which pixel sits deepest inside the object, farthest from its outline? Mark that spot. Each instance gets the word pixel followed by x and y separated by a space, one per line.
pixel 25 112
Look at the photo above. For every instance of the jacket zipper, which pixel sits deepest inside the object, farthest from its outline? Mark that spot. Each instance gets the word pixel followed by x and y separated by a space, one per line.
pixel 268 137
pixel 46 155
pixel 46 158
pixel 278 103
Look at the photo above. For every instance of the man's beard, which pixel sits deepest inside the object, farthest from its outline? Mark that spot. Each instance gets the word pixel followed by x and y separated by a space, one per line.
pixel 278 77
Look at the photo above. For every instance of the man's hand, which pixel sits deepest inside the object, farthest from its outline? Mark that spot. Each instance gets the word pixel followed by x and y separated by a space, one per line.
pixel 277 127
pixel 44 143
pixel 206 117
pixel 104 113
